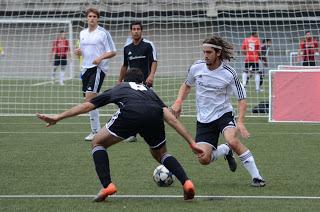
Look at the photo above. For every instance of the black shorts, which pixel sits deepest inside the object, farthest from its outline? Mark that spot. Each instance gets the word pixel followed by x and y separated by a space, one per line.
pixel 60 60
pixel 92 79
pixel 309 63
pixel 210 132
pixel 254 67
pixel 148 123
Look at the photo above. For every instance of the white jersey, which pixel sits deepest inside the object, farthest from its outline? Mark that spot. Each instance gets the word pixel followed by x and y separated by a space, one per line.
pixel 214 89
pixel 93 45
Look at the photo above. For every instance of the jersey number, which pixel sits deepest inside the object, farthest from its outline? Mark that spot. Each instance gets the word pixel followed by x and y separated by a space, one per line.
pixel 137 87
pixel 252 46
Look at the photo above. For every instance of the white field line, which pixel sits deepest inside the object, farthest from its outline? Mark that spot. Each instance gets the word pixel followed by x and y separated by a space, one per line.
pixel 168 132
pixel 42 83
pixel 159 196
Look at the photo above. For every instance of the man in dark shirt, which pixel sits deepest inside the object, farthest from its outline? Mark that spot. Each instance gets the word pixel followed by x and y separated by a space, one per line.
pixel 264 57
pixel 139 53
pixel 140 111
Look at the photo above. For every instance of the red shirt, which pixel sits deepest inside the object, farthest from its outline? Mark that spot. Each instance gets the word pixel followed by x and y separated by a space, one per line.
pixel 252 46
pixel 309 48
pixel 60 47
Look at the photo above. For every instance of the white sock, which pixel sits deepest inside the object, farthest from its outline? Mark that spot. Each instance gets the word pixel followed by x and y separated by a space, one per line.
pixel 62 75
pixel 244 78
pixel 248 162
pixel 222 150
pixel 53 76
pixel 257 80
pixel 94 120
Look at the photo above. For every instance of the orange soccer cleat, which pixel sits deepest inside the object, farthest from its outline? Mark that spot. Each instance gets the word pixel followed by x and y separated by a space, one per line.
pixel 105 192
pixel 188 190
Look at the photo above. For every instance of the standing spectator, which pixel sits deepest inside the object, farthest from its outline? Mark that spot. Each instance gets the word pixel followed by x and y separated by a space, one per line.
pixel 96 48
pixel 139 53
pixel 215 82
pixel 265 53
pixel 251 49
pixel 308 49
pixel 60 52
pixel 140 111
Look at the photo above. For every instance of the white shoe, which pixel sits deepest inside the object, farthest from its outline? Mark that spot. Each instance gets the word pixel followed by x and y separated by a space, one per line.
pixel 131 139
pixel 61 83
pixel 90 136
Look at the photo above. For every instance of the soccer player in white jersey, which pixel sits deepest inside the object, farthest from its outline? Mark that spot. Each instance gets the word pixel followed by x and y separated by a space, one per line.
pixel 215 82
pixel 96 48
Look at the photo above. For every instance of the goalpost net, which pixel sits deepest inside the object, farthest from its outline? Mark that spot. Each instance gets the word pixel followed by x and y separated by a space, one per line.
pixel 177 28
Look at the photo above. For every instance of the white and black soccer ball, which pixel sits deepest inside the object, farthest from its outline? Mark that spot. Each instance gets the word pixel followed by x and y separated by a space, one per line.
pixel 162 176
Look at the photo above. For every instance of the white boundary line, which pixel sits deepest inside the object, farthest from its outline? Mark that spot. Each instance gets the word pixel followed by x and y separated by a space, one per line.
pixel 42 83
pixel 81 132
pixel 160 196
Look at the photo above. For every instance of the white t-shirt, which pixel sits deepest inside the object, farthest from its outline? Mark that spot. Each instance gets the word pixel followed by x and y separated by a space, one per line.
pixel 93 45
pixel 214 89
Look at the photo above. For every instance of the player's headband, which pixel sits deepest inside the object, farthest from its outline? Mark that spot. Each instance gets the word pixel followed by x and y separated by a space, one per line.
pixel 211 45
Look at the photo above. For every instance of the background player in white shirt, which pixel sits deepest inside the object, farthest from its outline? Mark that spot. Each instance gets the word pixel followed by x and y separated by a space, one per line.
pixel 215 82
pixel 96 47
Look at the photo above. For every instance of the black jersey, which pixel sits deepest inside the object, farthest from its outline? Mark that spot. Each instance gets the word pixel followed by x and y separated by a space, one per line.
pixel 140 56
pixel 129 96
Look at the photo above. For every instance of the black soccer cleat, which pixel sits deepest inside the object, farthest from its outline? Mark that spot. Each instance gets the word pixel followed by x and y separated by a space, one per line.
pixel 256 182
pixel 231 161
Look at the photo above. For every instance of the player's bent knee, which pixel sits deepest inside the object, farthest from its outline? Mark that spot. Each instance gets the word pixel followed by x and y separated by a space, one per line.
pixel 204 160
pixel 233 143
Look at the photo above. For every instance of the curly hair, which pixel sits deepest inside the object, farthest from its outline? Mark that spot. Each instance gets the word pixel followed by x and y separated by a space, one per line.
pixel 226 48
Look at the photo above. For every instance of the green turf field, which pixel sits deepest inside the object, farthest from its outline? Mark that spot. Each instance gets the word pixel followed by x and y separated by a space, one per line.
pixel 26 97
pixel 56 164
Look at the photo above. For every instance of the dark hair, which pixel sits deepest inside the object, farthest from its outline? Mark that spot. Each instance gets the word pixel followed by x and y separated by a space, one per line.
pixel 93 10
pixel 134 75
pixel 254 32
pixel 136 23
pixel 227 48
pixel 266 40
pixel 307 32
pixel 61 31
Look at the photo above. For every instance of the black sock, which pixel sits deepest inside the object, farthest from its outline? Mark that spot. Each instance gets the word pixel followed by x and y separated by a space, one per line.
pixel 261 80
pixel 175 167
pixel 101 162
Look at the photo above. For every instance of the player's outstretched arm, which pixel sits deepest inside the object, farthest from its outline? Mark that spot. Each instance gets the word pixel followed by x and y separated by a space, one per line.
pixel 182 95
pixel 178 126
pixel 74 111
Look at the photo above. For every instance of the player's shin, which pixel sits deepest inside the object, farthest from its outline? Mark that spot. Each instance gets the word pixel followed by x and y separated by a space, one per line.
pixel 101 162
pixel 249 163
pixel 175 167
pixel 221 150
pixel 94 120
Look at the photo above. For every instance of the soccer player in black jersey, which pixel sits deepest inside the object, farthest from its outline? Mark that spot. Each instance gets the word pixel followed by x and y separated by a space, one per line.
pixel 139 53
pixel 140 111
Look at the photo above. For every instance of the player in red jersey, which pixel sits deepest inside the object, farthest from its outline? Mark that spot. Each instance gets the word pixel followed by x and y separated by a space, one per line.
pixel 308 49
pixel 251 49
pixel 60 51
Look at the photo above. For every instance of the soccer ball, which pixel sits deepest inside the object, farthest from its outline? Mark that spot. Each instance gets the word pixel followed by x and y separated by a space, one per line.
pixel 162 176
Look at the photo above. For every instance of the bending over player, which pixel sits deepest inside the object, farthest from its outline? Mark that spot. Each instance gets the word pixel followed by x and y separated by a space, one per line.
pixel 140 111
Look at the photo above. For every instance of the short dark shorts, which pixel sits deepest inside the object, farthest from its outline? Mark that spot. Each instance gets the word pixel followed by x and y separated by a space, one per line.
pixel 254 67
pixel 60 60
pixel 148 122
pixel 210 132
pixel 92 79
